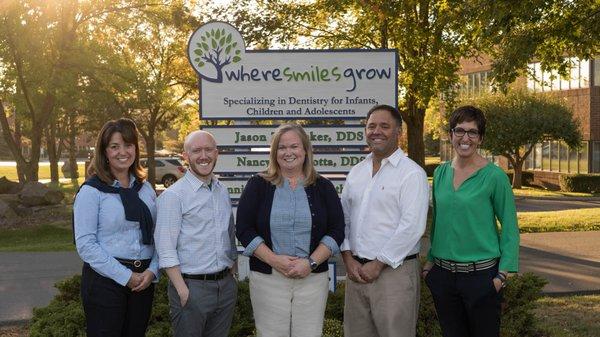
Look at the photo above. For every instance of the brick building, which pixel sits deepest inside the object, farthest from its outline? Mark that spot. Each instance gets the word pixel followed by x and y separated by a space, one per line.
pixel 581 89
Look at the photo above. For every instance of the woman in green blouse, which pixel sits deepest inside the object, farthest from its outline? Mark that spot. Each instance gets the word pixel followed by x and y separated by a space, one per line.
pixel 470 258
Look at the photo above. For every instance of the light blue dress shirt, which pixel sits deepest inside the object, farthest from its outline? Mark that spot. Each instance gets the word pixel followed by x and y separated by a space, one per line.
pixel 290 224
pixel 102 233
pixel 194 228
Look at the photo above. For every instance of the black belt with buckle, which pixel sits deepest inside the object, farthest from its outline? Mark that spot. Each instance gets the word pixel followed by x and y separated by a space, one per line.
pixel 135 265
pixel 363 261
pixel 465 267
pixel 207 277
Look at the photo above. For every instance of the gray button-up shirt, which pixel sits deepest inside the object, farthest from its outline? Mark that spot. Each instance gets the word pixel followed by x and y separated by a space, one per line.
pixel 194 227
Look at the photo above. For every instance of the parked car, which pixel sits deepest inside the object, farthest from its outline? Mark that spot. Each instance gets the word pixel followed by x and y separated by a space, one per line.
pixel 167 169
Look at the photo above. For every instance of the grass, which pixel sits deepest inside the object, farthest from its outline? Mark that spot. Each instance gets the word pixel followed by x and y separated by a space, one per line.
pixel 10 172
pixel 541 193
pixel 44 238
pixel 571 316
pixel 584 219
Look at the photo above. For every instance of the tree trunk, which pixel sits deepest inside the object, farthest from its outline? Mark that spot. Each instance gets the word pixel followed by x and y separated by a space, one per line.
pixel 73 151
pixel 518 177
pixel 150 149
pixel 53 156
pixel 415 121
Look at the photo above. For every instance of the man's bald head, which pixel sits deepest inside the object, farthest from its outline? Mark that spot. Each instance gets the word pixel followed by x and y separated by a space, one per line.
pixel 198 136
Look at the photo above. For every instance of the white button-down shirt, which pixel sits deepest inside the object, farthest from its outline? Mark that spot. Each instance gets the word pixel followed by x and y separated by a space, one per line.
pixel 386 213
pixel 195 228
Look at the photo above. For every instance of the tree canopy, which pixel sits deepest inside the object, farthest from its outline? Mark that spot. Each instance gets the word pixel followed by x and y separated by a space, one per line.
pixel 519 120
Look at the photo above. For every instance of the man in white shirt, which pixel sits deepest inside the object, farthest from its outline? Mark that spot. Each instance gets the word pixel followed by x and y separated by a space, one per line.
pixel 194 238
pixel 385 200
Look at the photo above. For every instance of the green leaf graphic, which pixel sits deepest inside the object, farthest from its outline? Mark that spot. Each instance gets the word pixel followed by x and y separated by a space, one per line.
pixel 236 59
pixel 222 42
pixel 237 52
pixel 200 64
pixel 234 44
pixel 214 43
pixel 229 38
pixel 205 46
pixel 198 52
pixel 212 32
pixel 207 34
pixel 203 38
pixel 218 34
pixel 227 50
pixel 223 32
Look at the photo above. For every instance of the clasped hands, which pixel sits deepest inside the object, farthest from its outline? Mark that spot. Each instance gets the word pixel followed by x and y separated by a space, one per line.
pixel 140 281
pixel 291 266
pixel 363 273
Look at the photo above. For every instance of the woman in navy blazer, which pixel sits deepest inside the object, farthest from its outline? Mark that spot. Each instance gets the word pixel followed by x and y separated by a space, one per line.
pixel 291 221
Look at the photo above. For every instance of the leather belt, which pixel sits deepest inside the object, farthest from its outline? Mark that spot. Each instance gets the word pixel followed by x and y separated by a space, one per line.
pixel 363 261
pixel 135 265
pixel 465 267
pixel 207 277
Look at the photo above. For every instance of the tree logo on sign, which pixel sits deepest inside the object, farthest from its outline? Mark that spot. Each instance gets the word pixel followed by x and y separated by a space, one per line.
pixel 214 46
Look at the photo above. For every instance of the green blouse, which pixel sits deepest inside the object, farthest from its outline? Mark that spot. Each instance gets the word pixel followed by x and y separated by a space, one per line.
pixel 464 225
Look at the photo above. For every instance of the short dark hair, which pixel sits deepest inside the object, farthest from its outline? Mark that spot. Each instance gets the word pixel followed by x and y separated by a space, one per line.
pixel 129 132
pixel 395 113
pixel 468 113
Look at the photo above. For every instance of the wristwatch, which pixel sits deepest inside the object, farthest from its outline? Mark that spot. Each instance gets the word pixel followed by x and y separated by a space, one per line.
pixel 313 263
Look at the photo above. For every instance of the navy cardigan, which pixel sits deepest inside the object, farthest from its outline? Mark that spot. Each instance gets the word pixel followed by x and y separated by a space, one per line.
pixel 254 216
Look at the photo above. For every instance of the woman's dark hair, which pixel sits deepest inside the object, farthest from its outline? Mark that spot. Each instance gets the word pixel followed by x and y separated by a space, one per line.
pixel 468 113
pixel 395 113
pixel 100 166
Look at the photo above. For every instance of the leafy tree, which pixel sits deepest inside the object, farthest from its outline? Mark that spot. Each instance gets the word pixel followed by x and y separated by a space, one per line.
pixel 430 36
pixel 520 119
pixel 516 32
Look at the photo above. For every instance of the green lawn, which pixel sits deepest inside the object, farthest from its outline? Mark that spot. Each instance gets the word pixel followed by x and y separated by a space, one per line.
pixel 541 193
pixel 585 219
pixel 571 316
pixel 44 238
pixel 10 172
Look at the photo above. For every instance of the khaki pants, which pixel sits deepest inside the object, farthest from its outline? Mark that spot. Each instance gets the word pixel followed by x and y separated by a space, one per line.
pixel 388 307
pixel 285 307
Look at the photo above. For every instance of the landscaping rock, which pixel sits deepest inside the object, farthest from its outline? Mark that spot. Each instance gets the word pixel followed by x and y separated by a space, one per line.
pixel 37 194
pixel 8 186
pixel 7 214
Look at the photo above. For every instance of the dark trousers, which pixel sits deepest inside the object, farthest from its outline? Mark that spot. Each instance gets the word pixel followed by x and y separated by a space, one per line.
pixel 112 309
pixel 467 304
pixel 208 311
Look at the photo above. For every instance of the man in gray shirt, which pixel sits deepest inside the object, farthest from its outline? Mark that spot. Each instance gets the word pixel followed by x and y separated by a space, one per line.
pixel 194 238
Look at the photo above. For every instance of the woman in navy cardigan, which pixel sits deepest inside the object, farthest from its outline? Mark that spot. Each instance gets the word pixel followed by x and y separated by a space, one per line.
pixel 290 220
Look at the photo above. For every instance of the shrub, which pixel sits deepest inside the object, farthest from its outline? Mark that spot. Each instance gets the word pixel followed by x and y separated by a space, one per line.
pixel 586 183
pixel 64 315
pixel 526 177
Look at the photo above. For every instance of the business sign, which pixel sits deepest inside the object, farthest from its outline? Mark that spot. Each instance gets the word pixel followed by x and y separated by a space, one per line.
pixel 236 83
pixel 236 185
pixel 253 162
pixel 260 136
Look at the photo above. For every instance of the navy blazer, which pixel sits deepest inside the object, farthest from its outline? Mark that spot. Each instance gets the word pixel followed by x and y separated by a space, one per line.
pixel 254 216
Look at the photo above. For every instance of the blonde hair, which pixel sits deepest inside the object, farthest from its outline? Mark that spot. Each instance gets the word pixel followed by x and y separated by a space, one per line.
pixel 273 172
pixel 100 166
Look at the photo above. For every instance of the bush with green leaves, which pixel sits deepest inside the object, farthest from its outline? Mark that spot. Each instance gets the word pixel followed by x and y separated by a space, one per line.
pixel 586 183
pixel 64 315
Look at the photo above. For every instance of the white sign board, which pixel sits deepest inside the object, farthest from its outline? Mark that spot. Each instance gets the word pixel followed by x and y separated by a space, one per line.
pixel 253 162
pixel 260 136
pixel 235 185
pixel 287 84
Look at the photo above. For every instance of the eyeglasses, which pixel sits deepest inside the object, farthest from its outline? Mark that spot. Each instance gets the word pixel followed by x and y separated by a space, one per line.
pixel 458 132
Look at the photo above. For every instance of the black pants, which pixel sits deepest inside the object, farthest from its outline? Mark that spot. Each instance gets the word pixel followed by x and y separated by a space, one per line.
pixel 112 309
pixel 467 304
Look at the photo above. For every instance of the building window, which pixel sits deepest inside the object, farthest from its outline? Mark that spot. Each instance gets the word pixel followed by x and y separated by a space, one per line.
pixel 550 80
pixel 573 167
pixel 596 157
pixel 564 157
pixel 583 158
pixel 475 84
pixel 597 74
